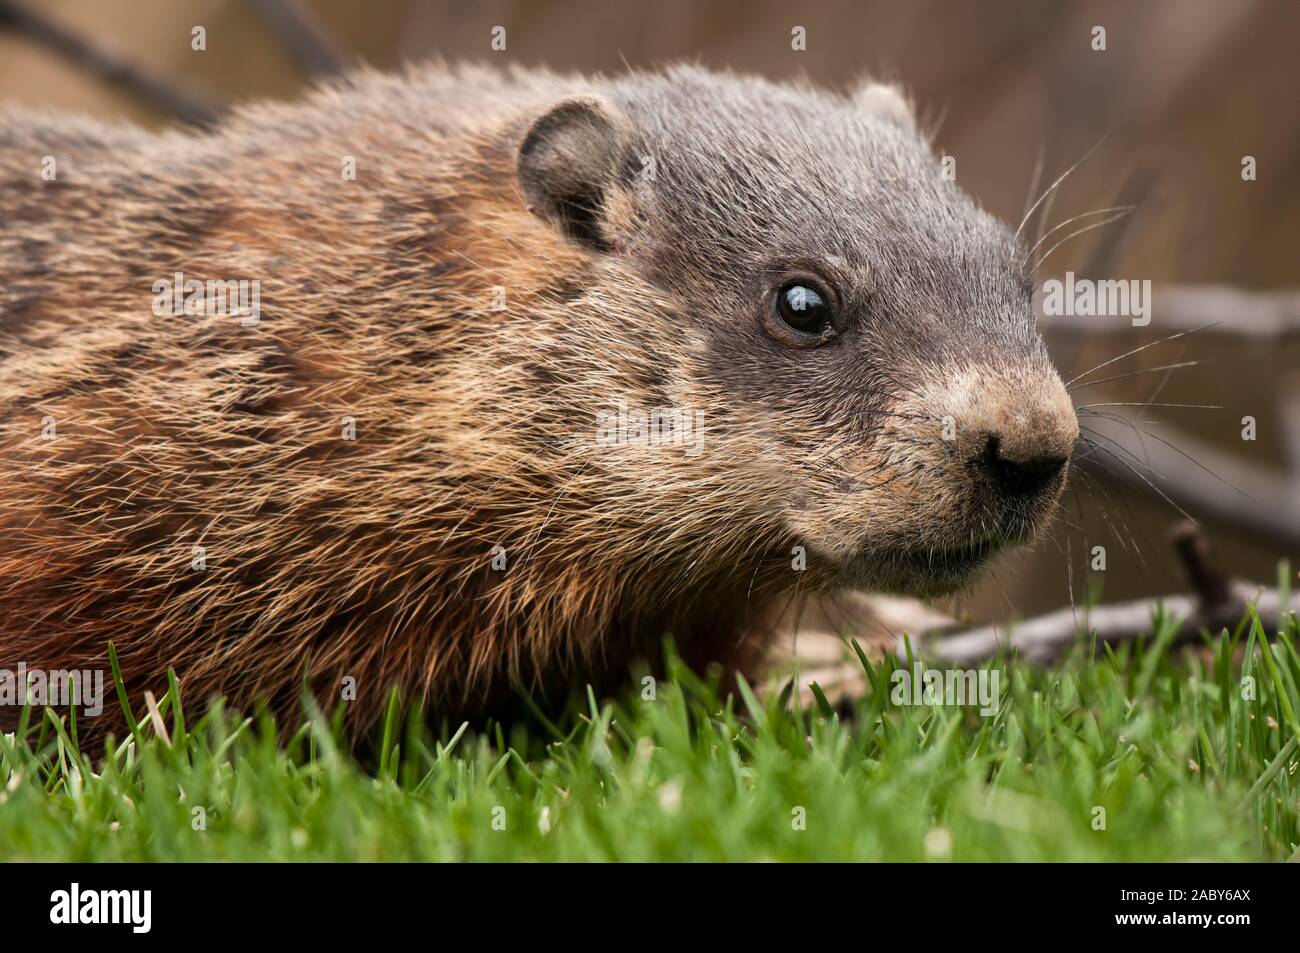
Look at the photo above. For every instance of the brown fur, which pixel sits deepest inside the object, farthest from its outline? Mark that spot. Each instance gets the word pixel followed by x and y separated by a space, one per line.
pixel 371 558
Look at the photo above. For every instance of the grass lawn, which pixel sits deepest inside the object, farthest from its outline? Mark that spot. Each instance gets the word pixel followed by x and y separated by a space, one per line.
pixel 1163 740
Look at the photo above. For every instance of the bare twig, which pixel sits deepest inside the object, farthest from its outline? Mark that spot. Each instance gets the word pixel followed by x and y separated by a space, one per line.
pixel 1258 315
pixel 1198 476
pixel 170 97
pixel 303 34
pixel 1288 414
pixel 1216 602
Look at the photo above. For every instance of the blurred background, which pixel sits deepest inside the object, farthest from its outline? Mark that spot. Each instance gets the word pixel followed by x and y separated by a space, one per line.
pixel 1183 90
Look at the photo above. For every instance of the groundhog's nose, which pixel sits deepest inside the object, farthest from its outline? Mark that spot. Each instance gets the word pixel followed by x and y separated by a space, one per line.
pixel 1023 472
pixel 1015 433
pixel 1008 433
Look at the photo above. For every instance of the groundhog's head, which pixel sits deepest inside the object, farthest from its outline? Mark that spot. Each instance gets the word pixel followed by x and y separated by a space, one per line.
pixel 857 333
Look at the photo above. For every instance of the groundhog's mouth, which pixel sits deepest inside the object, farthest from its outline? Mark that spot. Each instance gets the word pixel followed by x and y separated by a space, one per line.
pixel 925 571
pixel 958 561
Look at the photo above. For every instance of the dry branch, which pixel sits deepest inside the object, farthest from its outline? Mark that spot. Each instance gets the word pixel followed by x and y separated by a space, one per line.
pixel 169 97
pixel 1258 315
pixel 1202 479
pixel 1217 602
pixel 303 35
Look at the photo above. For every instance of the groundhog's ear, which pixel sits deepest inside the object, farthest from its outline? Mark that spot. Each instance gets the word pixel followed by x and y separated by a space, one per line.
pixel 569 161
pixel 886 101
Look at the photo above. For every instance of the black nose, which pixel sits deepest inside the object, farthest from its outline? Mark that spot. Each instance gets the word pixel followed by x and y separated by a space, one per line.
pixel 1021 476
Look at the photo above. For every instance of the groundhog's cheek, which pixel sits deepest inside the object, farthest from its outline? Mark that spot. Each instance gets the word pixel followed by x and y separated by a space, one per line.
pixel 840 509
pixel 995 441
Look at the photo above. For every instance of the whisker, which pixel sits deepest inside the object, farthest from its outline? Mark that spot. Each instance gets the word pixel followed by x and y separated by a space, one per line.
pixel 1069 221
pixel 1148 370
pixel 1143 403
pixel 1140 348
pixel 1116 512
pixel 1115 445
pixel 1044 216
pixel 1061 178
pixel 1137 473
pixel 1037 178
pixel 1069 580
pixel 1127 539
pixel 1164 382
pixel 1075 234
pixel 1178 450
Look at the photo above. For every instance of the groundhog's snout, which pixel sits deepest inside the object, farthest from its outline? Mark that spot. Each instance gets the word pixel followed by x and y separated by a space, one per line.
pixel 1013 434
pixel 972 460
pixel 1024 455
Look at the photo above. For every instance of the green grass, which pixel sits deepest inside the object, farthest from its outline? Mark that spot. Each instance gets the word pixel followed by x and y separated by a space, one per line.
pixel 1183 765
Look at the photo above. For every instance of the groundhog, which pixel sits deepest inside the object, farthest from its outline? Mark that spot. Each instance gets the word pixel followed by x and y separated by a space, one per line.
pixel 469 382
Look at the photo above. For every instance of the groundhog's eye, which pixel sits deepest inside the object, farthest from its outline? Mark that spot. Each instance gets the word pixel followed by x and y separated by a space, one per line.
pixel 805 308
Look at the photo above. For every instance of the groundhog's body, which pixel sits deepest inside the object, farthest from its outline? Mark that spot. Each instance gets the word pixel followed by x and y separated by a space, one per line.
pixel 371 557
pixel 186 486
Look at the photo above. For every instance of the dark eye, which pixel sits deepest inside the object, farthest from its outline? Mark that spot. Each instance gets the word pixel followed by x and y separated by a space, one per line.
pixel 804 308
